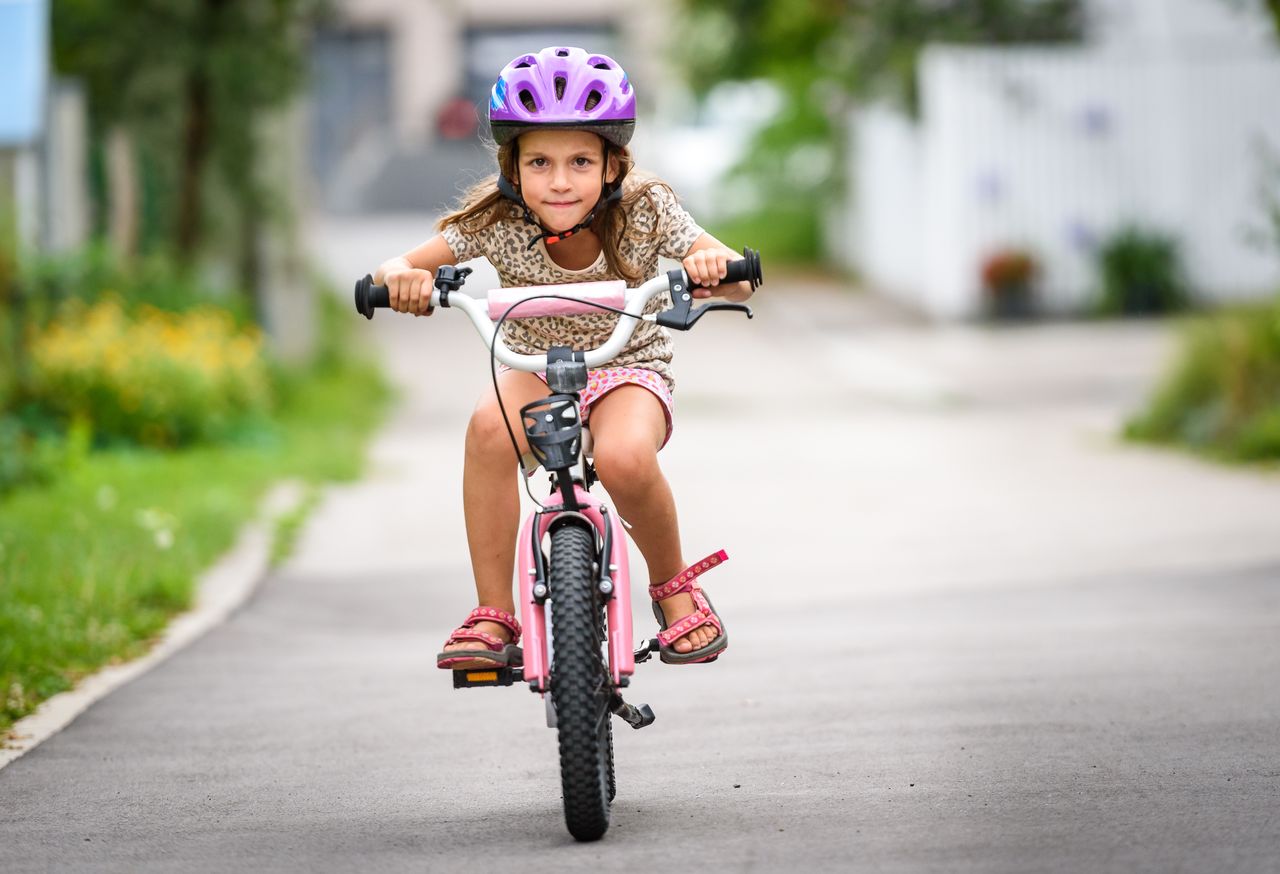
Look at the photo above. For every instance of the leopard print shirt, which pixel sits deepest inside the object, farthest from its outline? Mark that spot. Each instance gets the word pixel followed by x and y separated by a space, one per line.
pixel 656 226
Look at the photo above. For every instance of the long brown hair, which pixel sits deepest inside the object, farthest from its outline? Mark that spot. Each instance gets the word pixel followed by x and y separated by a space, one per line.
pixel 484 205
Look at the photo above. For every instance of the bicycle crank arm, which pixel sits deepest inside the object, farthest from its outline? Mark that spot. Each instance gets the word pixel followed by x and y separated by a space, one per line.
pixel 649 648
pixel 636 717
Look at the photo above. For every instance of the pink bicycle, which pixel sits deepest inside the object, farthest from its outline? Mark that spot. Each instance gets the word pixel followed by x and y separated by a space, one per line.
pixel 572 552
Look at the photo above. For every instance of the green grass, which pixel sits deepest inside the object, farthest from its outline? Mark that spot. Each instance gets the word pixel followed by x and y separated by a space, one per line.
pixel 289 525
pixel 95 563
pixel 1222 395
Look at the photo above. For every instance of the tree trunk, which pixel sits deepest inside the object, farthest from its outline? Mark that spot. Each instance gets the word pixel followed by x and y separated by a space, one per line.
pixel 198 136
pixel 122 193
pixel 195 153
pixel 251 262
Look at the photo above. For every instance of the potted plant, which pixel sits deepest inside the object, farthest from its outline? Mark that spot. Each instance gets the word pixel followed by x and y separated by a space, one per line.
pixel 1008 275
pixel 1141 273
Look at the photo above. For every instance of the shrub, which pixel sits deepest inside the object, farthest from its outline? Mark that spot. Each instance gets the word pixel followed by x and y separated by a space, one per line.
pixel 153 378
pixel 1141 273
pixel 1223 394
pixel 25 457
pixel 95 272
pixel 786 234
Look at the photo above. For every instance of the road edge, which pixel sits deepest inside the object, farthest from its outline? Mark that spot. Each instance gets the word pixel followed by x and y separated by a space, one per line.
pixel 220 590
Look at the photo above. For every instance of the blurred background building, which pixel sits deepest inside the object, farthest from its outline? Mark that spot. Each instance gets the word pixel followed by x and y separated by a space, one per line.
pixel 399 89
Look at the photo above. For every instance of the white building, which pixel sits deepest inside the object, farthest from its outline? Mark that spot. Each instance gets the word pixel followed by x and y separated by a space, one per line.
pixel 1157 121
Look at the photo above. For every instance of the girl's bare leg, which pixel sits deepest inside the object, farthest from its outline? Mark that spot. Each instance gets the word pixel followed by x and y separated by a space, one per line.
pixel 628 426
pixel 490 494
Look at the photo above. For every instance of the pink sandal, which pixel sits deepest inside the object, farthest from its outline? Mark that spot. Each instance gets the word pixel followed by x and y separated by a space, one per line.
pixel 686 581
pixel 493 652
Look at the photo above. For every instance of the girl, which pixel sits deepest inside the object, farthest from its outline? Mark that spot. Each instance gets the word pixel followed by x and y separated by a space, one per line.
pixel 567 207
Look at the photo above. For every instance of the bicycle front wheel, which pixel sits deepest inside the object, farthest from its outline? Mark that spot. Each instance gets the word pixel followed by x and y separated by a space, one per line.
pixel 580 686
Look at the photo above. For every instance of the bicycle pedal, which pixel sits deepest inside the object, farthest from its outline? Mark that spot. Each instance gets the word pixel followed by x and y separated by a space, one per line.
pixel 636 717
pixel 467 679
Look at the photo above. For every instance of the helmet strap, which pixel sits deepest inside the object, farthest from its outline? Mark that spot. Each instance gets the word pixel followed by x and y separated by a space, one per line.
pixel 552 237
pixel 510 192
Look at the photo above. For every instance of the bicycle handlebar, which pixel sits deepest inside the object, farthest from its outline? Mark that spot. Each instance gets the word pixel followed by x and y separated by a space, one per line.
pixel 745 269
pixel 682 316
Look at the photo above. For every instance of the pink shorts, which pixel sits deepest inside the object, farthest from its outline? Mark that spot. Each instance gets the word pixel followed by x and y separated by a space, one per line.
pixel 604 380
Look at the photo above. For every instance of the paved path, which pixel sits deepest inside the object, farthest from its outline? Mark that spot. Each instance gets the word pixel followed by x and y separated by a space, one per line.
pixel 971 632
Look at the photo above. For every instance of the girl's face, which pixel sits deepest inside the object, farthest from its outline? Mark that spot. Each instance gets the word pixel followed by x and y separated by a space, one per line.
pixel 562 174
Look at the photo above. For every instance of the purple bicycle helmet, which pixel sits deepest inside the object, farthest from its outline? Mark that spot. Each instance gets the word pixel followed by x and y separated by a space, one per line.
pixel 563 87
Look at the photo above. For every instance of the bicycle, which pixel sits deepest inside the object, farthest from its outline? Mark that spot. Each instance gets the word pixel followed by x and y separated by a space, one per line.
pixel 581 660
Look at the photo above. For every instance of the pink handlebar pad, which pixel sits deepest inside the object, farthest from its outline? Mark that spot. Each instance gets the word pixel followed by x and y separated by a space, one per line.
pixel 610 292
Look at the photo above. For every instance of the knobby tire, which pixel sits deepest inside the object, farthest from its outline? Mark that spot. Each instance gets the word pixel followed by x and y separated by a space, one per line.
pixel 580 684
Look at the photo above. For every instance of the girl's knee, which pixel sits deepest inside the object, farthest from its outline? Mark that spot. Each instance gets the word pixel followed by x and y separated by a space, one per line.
pixel 486 432
pixel 626 465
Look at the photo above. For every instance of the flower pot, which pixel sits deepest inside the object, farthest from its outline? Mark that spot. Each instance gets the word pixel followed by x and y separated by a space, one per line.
pixel 1010 302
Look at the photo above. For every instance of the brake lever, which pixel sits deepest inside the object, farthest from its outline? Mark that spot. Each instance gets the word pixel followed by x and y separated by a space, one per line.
pixel 683 315
pixel 721 305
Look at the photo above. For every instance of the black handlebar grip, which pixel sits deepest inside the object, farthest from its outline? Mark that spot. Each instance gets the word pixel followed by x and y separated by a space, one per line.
pixel 370 296
pixel 746 269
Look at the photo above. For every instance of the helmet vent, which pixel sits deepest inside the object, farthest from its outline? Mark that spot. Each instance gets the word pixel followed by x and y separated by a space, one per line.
pixel 602 66
pixel 592 99
pixel 559 87
pixel 562 53
pixel 526 97
pixel 522 65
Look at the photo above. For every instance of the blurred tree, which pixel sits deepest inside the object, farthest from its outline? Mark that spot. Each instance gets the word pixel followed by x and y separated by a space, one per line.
pixel 1274 7
pixel 826 55
pixel 190 81
pixel 863 47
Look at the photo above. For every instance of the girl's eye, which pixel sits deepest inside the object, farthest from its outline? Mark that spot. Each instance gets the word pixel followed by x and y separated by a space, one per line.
pixel 581 161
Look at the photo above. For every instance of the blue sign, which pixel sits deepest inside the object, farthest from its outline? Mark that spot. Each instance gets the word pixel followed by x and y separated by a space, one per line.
pixel 24 70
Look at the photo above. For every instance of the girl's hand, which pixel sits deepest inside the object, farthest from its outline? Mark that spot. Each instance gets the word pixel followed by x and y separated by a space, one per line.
pixel 706 267
pixel 409 288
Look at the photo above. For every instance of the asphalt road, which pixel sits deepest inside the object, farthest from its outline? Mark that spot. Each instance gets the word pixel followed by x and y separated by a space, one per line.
pixel 971 632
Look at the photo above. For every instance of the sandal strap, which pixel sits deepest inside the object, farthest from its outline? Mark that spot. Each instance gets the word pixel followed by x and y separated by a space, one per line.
pixel 490 641
pixel 684 581
pixel 698 618
pixel 491 614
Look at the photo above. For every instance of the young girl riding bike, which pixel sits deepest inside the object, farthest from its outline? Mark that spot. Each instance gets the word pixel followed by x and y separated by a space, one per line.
pixel 567 206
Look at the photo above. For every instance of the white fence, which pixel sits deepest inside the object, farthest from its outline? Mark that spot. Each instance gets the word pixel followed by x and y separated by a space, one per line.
pixel 1054 149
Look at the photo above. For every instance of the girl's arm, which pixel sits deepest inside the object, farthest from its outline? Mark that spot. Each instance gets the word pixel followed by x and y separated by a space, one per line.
pixel 409 277
pixel 705 263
